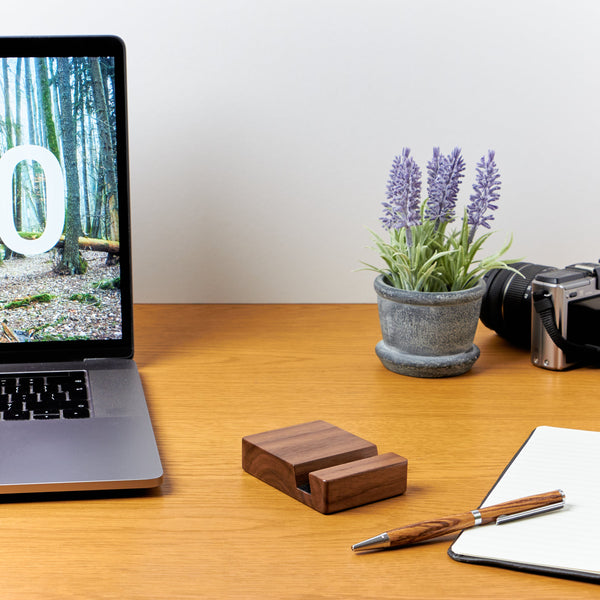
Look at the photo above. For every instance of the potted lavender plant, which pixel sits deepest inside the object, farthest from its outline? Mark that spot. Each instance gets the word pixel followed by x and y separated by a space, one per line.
pixel 430 290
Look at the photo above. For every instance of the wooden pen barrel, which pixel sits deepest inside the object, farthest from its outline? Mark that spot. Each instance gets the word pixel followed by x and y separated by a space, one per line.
pixel 427 530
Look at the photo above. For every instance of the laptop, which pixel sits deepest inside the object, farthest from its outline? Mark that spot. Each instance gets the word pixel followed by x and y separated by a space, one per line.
pixel 72 410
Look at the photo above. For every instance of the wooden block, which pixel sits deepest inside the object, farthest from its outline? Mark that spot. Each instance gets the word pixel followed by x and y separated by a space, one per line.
pixel 323 466
pixel 358 482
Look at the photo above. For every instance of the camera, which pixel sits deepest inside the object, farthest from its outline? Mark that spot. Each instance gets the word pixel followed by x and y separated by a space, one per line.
pixel 554 312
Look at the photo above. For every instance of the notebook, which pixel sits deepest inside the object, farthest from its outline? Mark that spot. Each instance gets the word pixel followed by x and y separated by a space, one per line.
pixel 73 415
pixel 562 543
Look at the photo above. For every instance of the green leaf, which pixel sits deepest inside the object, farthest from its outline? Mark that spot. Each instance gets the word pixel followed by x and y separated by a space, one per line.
pixel 438 259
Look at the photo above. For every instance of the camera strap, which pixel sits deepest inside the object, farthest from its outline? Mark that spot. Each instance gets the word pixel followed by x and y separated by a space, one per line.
pixel 582 352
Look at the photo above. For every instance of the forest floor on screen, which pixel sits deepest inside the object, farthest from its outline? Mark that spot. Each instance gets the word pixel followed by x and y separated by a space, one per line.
pixel 38 304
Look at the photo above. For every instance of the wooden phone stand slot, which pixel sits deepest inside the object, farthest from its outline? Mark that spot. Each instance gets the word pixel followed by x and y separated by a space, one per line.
pixel 323 466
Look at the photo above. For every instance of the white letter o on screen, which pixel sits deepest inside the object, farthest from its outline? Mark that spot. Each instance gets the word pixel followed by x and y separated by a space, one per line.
pixel 55 200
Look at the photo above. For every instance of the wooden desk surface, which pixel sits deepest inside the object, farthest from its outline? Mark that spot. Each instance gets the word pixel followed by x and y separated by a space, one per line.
pixel 214 374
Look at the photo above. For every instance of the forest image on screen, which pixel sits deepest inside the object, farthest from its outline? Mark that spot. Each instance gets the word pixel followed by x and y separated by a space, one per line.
pixel 59 217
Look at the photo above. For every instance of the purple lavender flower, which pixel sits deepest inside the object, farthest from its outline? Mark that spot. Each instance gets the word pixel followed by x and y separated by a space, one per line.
pixel 487 193
pixel 445 175
pixel 433 167
pixel 403 194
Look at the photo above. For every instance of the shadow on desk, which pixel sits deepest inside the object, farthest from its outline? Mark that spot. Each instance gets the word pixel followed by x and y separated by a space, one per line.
pixel 83 495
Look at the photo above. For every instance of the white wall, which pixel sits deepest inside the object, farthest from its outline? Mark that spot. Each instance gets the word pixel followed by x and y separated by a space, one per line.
pixel 262 131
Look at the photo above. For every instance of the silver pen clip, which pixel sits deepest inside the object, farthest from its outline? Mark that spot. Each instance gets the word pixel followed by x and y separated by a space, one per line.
pixel 529 513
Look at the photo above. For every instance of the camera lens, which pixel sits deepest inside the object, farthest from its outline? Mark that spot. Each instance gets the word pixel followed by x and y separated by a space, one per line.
pixel 506 305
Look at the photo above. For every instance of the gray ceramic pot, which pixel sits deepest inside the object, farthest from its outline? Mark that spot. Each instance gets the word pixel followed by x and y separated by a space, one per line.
pixel 428 334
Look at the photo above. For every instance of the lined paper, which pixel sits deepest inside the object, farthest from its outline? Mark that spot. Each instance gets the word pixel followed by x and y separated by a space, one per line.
pixel 553 458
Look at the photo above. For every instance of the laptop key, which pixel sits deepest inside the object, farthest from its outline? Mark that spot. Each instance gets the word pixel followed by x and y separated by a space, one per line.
pixel 74 404
pixel 31 382
pixel 53 397
pixel 78 393
pixel 24 398
pixel 40 404
pixel 9 387
pixel 16 415
pixel 45 414
pixel 76 413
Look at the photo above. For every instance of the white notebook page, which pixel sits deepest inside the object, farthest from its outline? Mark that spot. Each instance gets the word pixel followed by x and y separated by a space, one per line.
pixel 553 458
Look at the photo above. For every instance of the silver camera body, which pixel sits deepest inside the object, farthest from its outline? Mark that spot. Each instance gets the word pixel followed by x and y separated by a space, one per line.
pixel 568 288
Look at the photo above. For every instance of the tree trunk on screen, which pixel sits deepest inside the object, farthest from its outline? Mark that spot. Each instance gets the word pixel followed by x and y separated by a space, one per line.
pixel 107 150
pixel 46 100
pixel 72 261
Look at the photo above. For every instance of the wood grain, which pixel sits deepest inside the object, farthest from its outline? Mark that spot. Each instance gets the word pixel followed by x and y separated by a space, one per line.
pixel 285 457
pixel 323 466
pixel 358 482
pixel 216 373
pixel 426 530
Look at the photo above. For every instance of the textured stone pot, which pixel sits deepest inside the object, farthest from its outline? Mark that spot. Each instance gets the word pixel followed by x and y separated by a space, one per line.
pixel 428 334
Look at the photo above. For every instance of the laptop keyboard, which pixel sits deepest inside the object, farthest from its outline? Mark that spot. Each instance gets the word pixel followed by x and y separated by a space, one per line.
pixel 44 396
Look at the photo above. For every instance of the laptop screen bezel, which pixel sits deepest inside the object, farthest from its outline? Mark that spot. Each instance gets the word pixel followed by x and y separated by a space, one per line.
pixel 86 46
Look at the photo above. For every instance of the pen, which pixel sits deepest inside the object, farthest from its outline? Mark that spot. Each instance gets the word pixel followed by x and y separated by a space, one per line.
pixel 426 530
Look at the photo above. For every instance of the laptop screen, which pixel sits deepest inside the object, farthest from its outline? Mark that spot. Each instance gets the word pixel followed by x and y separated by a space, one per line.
pixel 64 248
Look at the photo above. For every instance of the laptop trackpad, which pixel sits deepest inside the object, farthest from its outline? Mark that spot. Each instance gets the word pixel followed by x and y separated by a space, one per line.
pixel 62 455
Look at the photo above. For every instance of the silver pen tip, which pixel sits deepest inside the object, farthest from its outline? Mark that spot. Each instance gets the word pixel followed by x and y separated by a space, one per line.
pixel 379 541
